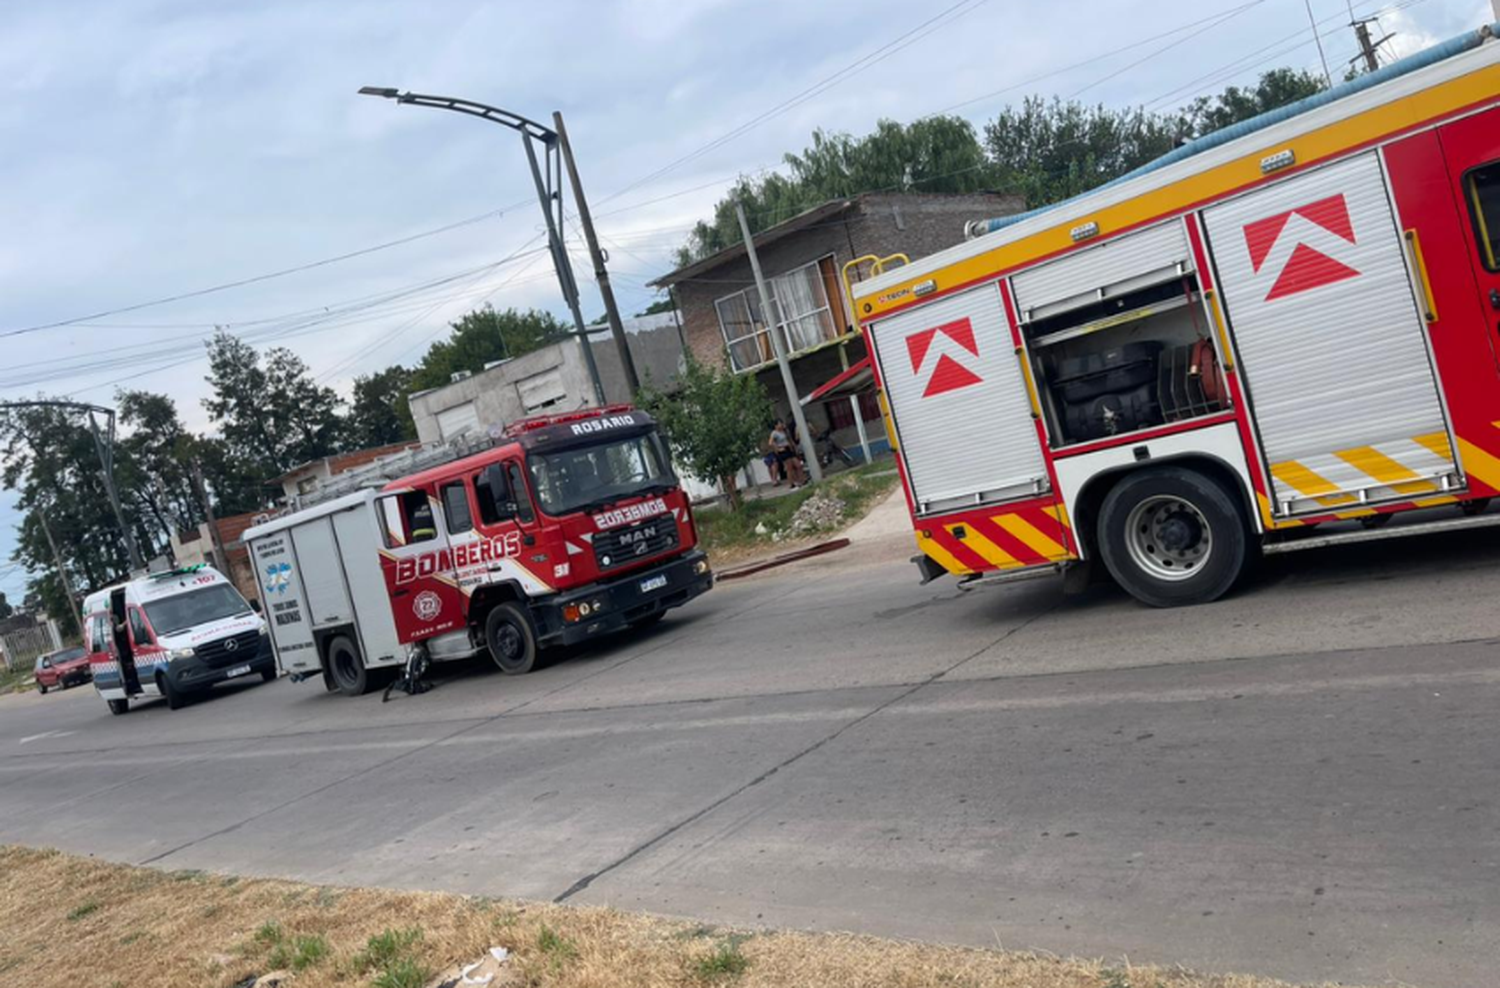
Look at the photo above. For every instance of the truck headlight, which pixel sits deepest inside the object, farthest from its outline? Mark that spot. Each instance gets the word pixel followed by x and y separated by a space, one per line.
pixel 700 567
pixel 181 653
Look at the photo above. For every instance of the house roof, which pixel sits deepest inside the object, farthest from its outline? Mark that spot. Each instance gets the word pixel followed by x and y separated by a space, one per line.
pixel 770 235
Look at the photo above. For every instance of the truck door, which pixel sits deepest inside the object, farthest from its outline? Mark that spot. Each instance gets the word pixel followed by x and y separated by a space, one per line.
pixel 418 565
pixel 1333 345
pixel 1471 147
pixel 504 526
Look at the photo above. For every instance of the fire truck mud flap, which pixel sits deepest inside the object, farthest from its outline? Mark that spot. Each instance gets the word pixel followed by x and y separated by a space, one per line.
pixel 617 604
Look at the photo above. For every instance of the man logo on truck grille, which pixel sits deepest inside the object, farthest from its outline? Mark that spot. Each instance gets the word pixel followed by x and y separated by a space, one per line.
pixel 1307 267
pixel 947 373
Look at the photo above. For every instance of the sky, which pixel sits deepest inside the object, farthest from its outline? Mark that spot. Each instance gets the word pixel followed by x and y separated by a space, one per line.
pixel 154 149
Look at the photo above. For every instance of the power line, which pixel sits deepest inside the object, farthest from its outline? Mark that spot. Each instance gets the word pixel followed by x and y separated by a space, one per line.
pixel 198 293
pixel 947 15
pixel 1214 23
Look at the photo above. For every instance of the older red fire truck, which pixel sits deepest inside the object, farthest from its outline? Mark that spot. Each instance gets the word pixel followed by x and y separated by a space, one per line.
pixel 1286 324
pixel 570 526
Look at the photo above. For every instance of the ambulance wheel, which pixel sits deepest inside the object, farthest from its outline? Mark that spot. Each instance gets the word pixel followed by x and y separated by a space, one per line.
pixel 1172 536
pixel 176 699
pixel 118 707
pixel 347 667
pixel 511 640
pixel 268 675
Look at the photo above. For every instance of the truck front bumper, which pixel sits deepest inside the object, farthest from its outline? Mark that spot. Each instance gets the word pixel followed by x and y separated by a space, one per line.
pixel 195 674
pixel 619 603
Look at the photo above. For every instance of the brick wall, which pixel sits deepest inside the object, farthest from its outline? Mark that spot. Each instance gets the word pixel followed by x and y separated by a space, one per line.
pixel 880 224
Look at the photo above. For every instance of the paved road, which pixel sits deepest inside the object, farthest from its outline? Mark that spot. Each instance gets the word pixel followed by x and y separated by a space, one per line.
pixel 1300 781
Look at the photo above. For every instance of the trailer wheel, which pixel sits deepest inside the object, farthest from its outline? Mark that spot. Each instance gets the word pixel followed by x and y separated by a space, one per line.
pixel 511 640
pixel 347 666
pixel 1172 536
pixel 118 707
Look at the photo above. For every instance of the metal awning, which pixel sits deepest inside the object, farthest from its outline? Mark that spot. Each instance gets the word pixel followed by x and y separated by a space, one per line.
pixel 858 379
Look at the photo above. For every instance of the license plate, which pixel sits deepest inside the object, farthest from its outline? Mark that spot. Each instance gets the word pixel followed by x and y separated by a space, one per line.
pixel 654 583
pixel 237 671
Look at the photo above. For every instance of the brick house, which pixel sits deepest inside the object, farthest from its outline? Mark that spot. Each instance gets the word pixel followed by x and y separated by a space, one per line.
pixel 802 259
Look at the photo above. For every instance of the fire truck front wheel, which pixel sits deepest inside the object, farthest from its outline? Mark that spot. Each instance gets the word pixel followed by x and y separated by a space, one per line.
pixel 511 639
pixel 348 669
pixel 1173 536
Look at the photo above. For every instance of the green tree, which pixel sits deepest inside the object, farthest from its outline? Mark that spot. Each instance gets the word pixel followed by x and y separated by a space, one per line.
pixel 271 415
pixel 1051 150
pixel 379 414
pixel 481 337
pixel 664 304
pixel 714 420
pixel 1275 89
pixel 5 609
pixel 934 154
pixel 155 461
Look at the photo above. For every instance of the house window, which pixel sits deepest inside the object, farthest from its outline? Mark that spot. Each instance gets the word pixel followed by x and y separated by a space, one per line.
pixel 307 485
pixel 804 316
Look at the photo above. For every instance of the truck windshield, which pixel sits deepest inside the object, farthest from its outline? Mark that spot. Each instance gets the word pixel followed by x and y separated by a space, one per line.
pixel 594 476
pixel 173 614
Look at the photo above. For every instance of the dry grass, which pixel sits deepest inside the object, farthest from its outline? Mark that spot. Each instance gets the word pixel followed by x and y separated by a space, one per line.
pixel 151 929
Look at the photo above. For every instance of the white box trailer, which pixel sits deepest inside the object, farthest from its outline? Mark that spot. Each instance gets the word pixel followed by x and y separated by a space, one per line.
pixel 308 601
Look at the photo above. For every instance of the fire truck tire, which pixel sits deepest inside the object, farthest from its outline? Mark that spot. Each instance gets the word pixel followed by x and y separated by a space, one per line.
pixel 347 667
pixel 649 621
pixel 511 639
pixel 1172 536
pixel 118 707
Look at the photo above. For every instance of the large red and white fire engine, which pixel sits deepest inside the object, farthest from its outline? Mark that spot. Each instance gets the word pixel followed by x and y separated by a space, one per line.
pixel 1287 324
pixel 571 526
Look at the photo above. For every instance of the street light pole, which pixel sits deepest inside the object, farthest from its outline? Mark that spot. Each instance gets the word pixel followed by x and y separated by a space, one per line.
pixel 547 195
pixel 601 273
pixel 104 445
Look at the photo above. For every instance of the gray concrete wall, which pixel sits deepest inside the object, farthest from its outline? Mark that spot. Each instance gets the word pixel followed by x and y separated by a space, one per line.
pixel 496 393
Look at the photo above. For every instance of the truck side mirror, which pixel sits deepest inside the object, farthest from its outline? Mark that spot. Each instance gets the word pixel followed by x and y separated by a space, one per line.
pixel 255 605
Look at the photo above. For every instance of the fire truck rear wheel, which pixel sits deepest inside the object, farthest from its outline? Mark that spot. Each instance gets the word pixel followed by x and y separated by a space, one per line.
pixel 511 639
pixel 1172 536
pixel 347 667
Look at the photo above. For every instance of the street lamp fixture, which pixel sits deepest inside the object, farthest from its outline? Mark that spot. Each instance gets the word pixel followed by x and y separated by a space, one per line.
pixel 547 176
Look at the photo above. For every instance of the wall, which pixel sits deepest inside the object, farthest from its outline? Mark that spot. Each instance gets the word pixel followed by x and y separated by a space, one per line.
pixel 655 347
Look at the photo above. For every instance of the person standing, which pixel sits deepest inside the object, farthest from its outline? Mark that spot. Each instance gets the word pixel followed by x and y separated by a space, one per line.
pixel 786 454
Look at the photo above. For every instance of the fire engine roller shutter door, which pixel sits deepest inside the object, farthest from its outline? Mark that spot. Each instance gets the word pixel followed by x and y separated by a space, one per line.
pixel 322 577
pixel 1134 261
pixel 1321 305
pixel 960 407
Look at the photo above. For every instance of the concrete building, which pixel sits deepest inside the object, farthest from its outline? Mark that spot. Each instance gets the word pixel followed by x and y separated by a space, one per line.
pixel 554 378
pixel 194 546
pixel 803 259
pixel 306 479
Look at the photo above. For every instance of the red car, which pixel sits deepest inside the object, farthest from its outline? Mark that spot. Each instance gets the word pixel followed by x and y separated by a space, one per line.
pixel 59 670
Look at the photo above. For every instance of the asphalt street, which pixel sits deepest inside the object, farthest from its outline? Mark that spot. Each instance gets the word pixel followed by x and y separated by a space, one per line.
pixel 1299 781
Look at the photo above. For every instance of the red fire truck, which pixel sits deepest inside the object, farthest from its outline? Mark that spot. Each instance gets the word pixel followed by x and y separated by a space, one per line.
pixel 1288 324
pixel 571 526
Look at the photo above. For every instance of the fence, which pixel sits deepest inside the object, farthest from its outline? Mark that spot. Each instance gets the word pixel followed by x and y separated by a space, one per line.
pixel 21 648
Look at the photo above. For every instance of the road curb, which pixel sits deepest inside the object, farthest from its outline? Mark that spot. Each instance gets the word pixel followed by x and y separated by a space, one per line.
pixel 782 560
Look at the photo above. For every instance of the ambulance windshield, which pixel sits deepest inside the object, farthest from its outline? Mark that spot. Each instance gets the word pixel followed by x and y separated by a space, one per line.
pixel 594 476
pixel 170 615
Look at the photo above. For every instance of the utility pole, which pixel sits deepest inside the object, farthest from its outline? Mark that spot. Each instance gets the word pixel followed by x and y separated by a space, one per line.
pixel 564 267
pixel 221 561
pixel 1369 49
pixel 105 444
pixel 809 450
pixel 548 192
pixel 1319 39
pixel 601 274
pixel 74 607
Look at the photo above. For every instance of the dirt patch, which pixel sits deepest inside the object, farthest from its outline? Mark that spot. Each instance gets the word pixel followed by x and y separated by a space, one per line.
pixel 71 921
